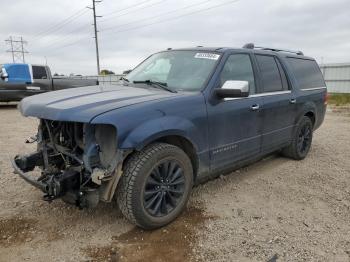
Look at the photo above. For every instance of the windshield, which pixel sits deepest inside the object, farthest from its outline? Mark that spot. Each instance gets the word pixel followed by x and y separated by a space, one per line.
pixel 179 70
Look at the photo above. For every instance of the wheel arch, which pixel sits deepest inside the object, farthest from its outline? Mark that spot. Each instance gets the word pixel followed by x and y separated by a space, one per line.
pixel 309 110
pixel 173 130
pixel 311 115
pixel 173 138
pixel 186 145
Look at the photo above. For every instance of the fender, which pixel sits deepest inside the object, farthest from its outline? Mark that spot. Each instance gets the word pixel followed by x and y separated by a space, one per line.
pixel 307 107
pixel 156 128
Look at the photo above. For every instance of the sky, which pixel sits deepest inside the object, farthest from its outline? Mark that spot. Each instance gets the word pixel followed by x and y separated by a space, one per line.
pixel 60 32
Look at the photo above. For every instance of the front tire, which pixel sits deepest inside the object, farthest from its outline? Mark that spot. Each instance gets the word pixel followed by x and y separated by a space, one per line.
pixel 155 185
pixel 301 141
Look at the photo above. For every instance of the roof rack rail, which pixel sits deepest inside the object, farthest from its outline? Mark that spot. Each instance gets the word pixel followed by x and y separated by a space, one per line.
pixel 252 46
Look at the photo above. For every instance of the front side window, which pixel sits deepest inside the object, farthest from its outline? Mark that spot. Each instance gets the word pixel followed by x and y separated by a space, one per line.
pixel 39 72
pixel 270 73
pixel 179 70
pixel 239 67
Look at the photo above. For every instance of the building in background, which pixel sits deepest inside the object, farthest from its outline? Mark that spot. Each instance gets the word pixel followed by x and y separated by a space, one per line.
pixel 337 77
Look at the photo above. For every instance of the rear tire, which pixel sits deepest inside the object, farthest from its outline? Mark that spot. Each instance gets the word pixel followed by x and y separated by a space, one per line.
pixel 301 141
pixel 155 185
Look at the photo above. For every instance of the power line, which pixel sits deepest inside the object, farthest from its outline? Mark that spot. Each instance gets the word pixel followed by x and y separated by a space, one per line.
pixel 77 15
pixel 17 49
pixel 176 17
pixel 68 36
pixel 160 15
pixel 133 11
pixel 70 44
pixel 54 25
pixel 61 24
pixel 161 21
pixel 127 8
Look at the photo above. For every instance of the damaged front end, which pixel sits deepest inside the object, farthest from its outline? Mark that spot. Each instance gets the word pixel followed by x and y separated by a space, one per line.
pixel 79 162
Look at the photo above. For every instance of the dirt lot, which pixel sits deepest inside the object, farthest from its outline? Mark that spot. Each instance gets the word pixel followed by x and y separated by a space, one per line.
pixel 296 211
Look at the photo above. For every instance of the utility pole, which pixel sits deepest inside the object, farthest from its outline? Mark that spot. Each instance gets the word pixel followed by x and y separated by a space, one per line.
pixel 17 49
pixel 11 43
pixel 22 49
pixel 96 31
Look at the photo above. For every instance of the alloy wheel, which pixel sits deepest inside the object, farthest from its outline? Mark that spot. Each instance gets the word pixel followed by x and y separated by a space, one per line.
pixel 164 188
pixel 304 139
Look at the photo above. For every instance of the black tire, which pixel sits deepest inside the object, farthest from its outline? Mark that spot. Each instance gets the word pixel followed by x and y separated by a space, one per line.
pixel 140 190
pixel 301 141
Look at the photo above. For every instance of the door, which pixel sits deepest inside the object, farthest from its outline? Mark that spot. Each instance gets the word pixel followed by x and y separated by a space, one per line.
pixel 234 124
pixel 41 79
pixel 279 110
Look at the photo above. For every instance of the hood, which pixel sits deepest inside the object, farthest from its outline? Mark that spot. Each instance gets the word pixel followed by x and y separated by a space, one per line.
pixel 84 103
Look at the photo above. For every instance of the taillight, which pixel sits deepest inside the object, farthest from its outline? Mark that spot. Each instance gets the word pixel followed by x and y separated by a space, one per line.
pixel 326 97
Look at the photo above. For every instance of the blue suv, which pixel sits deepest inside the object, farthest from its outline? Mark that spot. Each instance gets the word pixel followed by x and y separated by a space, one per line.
pixel 179 118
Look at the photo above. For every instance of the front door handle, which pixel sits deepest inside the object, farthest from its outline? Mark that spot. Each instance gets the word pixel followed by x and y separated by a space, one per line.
pixel 255 107
pixel 293 101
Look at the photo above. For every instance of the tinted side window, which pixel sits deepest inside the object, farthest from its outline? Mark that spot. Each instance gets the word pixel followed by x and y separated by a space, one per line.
pixel 239 67
pixel 307 73
pixel 270 73
pixel 39 72
pixel 283 75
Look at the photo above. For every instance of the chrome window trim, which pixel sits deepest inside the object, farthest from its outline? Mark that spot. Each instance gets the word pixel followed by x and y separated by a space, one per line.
pixel 313 88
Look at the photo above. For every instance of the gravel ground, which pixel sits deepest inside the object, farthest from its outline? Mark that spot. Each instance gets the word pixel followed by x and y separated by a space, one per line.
pixel 276 208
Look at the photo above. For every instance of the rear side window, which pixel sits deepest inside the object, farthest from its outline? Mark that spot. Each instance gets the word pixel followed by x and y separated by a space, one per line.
pixel 307 73
pixel 39 72
pixel 270 73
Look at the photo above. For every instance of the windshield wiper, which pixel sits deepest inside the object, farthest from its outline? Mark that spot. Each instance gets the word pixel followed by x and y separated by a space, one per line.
pixel 156 83
pixel 125 79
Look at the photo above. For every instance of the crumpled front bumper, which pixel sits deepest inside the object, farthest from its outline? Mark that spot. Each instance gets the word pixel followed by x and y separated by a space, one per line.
pixel 34 182
pixel 57 185
pixel 52 185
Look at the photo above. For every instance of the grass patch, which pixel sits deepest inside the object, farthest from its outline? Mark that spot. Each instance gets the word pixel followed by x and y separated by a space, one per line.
pixel 339 99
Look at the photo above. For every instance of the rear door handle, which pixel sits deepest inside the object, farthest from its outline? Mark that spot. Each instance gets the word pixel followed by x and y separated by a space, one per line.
pixel 293 101
pixel 255 107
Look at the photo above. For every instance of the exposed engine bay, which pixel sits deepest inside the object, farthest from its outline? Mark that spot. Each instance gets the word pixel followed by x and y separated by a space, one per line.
pixel 79 162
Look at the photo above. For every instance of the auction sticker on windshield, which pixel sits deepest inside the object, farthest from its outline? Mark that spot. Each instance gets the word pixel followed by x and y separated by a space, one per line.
pixel 207 56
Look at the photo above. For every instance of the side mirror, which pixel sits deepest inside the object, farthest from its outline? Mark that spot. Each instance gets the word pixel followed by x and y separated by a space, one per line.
pixel 233 88
pixel 3 74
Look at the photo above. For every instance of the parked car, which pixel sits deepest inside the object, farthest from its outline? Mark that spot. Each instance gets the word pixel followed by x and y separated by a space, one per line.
pixel 22 80
pixel 179 118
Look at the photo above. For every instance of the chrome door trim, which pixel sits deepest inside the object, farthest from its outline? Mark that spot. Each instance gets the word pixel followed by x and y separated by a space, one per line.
pixel 260 95
pixel 272 93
